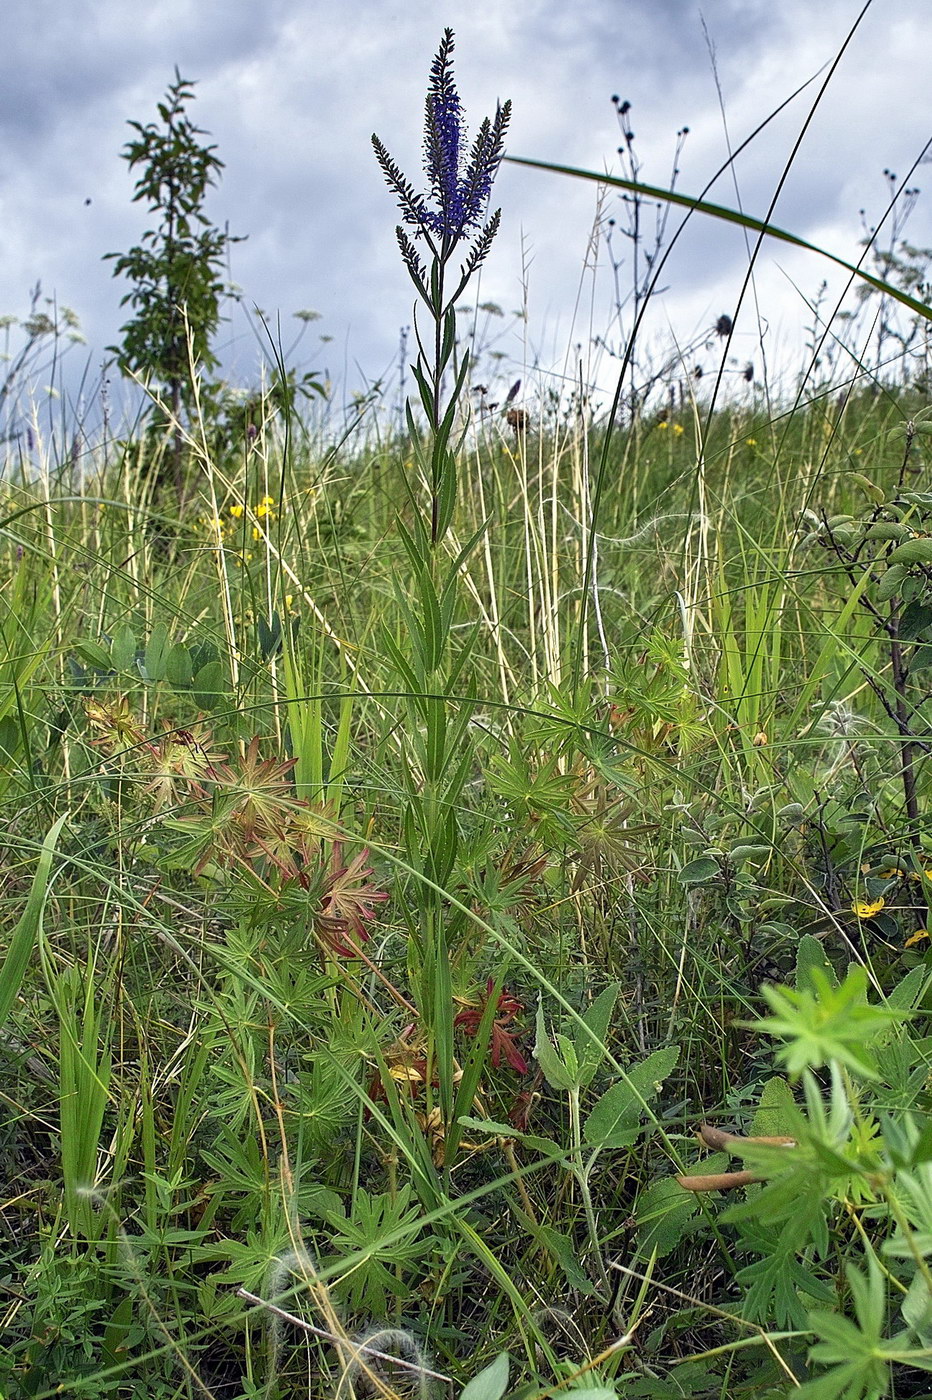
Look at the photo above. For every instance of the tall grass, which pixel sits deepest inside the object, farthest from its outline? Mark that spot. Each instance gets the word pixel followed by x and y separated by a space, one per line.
pixel 212 1071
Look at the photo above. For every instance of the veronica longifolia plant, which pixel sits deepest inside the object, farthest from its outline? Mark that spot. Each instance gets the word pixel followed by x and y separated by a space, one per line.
pixel 450 222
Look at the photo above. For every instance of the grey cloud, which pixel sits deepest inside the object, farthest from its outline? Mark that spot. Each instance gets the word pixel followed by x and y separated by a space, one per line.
pixel 291 89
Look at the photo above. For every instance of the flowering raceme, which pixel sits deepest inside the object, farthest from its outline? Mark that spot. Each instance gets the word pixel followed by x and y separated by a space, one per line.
pixel 459 183
pixel 453 209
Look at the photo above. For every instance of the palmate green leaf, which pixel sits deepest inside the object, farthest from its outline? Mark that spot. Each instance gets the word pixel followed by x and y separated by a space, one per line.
pixel 859 1353
pixel 824 1023
pixel 836 1157
pixel 914 1189
pixel 536 790
pixel 378 1277
pixel 775 1280
pixel 796 1198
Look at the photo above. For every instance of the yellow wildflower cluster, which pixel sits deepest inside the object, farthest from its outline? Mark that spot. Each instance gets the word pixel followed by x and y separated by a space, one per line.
pixel 678 429
pixel 222 527
pixel 264 509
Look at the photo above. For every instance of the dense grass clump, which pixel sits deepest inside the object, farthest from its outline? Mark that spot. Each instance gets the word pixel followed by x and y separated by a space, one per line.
pixel 380 932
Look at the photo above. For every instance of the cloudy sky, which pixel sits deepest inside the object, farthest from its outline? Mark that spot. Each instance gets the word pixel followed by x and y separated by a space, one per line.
pixel 291 90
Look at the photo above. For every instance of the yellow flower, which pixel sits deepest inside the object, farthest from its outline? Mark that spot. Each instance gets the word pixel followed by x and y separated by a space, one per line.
pixel 267 501
pixel 678 429
pixel 864 909
pixel 237 511
pixel 751 442
pixel 263 509
pixel 917 937
pixel 256 533
pixel 663 426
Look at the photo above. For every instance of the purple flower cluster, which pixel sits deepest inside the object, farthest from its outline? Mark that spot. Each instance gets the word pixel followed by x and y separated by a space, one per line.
pixel 460 183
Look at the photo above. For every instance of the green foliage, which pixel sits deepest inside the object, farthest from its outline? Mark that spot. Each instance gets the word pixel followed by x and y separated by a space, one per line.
pixel 822 1022
pixel 27 930
pixel 368 1285
pixel 177 269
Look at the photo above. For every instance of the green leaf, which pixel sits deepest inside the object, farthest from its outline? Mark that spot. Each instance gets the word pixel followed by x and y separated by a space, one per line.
pixel 776 1115
pixel 93 655
pixel 597 1018
pixel 917 551
pixel 491 1383
pixel 156 655
pixel 890 582
pixel 269 635
pixel 11 738
pixel 23 937
pixel 809 954
pixel 921 658
pixel 562 1249
pixel 860 1352
pixel 663 1212
pixel 123 648
pixel 615 1119
pixel 697 872
pixel 769 1291
pixel 908 992
pixel 742 852
pixel 552 1067
pixel 209 685
pixel 916 1309
pixel 733 216
pixel 178 666
pixel 488 1125
pixel 914 619
pixel 590 1392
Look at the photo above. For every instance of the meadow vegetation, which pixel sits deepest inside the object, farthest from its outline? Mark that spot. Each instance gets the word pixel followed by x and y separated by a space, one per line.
pixel 466 890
